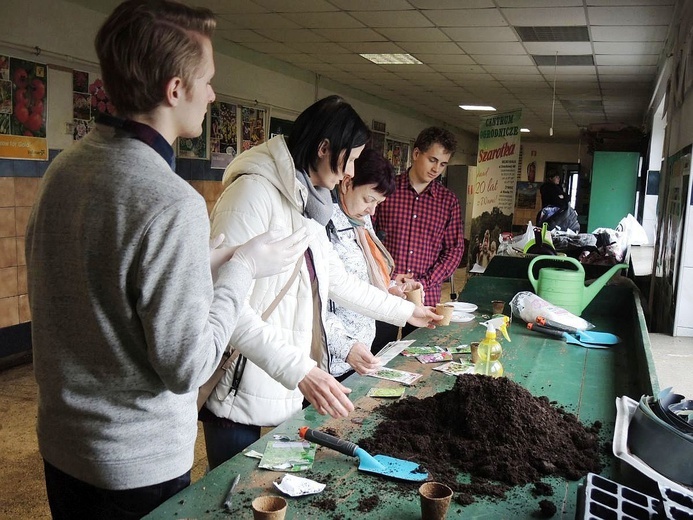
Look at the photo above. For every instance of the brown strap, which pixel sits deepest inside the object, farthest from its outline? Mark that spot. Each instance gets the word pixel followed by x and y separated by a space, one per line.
pixel 230 357
pixel 284 290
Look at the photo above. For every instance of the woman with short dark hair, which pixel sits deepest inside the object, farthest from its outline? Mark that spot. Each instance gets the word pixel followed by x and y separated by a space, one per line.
pixel 285 184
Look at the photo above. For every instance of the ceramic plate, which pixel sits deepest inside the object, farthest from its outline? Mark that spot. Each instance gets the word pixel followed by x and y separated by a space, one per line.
pixel 463 306
pixel 461 317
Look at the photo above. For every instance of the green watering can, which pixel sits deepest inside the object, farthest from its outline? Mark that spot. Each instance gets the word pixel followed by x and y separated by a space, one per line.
pixel 566 287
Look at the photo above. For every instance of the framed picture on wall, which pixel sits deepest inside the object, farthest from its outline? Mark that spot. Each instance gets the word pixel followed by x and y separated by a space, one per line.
pixel 195 147
pixel 223 134
pixel 526 195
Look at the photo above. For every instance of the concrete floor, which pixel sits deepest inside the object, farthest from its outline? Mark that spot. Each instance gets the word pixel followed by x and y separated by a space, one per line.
pixel 22 492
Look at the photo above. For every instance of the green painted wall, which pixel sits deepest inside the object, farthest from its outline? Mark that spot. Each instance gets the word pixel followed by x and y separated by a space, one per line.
pixel 614 181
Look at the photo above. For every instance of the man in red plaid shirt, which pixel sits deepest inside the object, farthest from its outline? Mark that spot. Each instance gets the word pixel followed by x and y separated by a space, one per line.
pixel 420 224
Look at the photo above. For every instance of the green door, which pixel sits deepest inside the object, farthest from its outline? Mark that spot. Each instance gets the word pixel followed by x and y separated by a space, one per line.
pixel 612 195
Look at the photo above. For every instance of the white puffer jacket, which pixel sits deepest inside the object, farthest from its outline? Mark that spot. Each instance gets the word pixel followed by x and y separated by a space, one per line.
pixel 262 193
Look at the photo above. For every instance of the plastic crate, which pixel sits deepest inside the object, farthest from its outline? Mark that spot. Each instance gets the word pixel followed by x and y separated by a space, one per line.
pixel 602 499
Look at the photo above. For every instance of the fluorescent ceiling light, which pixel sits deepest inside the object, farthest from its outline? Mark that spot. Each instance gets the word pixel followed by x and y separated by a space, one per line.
pixel 392 59
pixel 524 130
pixel 478 107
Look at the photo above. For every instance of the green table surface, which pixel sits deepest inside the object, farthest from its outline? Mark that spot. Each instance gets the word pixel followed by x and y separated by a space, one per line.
pixel 585 382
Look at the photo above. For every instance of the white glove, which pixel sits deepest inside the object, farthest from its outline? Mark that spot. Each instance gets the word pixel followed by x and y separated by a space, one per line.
pixel 268 254
pixel 218 255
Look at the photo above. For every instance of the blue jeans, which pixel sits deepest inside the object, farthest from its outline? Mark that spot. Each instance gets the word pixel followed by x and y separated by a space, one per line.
pixel 73 499
pixel 224 442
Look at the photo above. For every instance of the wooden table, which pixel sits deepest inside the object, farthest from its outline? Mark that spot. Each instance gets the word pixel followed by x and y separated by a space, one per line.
pixel 584 381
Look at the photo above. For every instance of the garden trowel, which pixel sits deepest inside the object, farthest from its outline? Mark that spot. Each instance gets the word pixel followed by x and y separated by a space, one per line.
pixel 379 464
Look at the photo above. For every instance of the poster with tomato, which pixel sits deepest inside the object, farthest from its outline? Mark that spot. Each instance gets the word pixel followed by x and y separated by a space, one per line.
pixel 29 111
pixel 88 99
pixel 23 88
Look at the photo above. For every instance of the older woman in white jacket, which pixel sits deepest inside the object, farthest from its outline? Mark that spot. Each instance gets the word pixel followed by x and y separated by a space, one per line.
pixel 286 186
pixel 350 333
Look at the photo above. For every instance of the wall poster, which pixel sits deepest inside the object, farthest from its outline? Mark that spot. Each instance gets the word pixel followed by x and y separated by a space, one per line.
pixel 224 134
pixel 527 195
pixel 252 127
pixel 195 147
pixel 23 95
pixel 398 153
pixel 88 99
pixel 493 188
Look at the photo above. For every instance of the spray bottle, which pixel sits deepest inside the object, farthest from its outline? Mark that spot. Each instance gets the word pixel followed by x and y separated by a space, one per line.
pixel 489 353
pixel 499 322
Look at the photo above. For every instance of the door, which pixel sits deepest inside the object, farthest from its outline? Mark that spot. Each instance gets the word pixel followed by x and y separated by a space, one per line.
pixel 614 182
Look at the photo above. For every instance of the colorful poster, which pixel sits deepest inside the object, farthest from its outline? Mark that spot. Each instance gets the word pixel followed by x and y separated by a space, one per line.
pixel 23 94
pixel 252 127
pixel 194 147
pixel 493 189
pixel 88 99
pixel 527 195
pixel 398 154
pixel 223 137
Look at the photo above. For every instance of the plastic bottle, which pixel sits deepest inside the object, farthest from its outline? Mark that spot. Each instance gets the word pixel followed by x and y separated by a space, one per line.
pixel 489 354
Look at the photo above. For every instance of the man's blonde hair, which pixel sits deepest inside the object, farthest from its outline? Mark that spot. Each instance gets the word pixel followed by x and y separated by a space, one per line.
pixel 145 43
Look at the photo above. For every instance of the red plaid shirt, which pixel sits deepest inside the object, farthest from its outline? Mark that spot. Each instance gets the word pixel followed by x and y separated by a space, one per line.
pixel 422 232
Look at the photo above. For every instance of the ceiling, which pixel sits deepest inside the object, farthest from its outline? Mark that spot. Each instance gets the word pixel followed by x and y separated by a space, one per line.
pixel 472 53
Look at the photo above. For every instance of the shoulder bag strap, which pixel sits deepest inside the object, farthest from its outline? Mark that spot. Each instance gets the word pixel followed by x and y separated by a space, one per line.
pixel 240 366
pixel 231 356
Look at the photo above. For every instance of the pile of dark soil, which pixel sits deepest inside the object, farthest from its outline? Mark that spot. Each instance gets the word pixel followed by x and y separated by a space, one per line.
pixel 491 428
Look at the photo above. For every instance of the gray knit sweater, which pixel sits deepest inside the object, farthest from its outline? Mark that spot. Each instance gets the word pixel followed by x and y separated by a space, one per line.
pixel 127 323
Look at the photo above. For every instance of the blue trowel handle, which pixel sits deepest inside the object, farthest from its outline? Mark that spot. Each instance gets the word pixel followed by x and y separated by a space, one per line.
pixel 329 441
pixel 546 330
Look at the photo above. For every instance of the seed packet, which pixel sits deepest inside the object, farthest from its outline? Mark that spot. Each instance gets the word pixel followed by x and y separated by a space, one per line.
pixel 456 369
pixel 392 349
pixel 435 358
pixel 418 351
pixel 386 392
pixel 460 349
pixel 406 378
pixel 292 456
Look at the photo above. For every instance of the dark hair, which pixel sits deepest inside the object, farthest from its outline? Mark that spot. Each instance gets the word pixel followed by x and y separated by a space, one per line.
pixel 432 135
pixel 145 43
pixel 372 168
pixel 333 119
pixel 552 173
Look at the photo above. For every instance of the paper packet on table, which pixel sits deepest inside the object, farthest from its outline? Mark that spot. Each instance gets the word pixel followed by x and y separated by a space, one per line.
pixel 438 357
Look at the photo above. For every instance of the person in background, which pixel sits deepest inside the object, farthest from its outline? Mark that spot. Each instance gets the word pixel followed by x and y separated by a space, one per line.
pixel 556 211
pixel 420 223
pixel 286 185
pixel 127 323
pixel 552 193
pixel 350 334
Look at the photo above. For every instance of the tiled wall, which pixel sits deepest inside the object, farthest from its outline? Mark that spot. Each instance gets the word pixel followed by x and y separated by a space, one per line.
pixel 19 184
pixel 17 195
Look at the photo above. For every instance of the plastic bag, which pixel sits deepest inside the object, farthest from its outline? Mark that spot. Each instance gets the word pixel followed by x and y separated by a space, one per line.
pixel 634 232
pixel 529 307
pixel 514 246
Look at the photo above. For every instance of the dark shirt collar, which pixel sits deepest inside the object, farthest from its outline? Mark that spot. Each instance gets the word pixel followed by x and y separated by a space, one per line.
pixel 432 189
pixel 144 133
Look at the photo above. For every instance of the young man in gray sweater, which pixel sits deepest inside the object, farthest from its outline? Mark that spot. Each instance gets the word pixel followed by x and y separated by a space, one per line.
pixel 128 318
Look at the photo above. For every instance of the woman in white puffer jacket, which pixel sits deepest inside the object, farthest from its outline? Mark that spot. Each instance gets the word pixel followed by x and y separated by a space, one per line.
pixel 285 185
